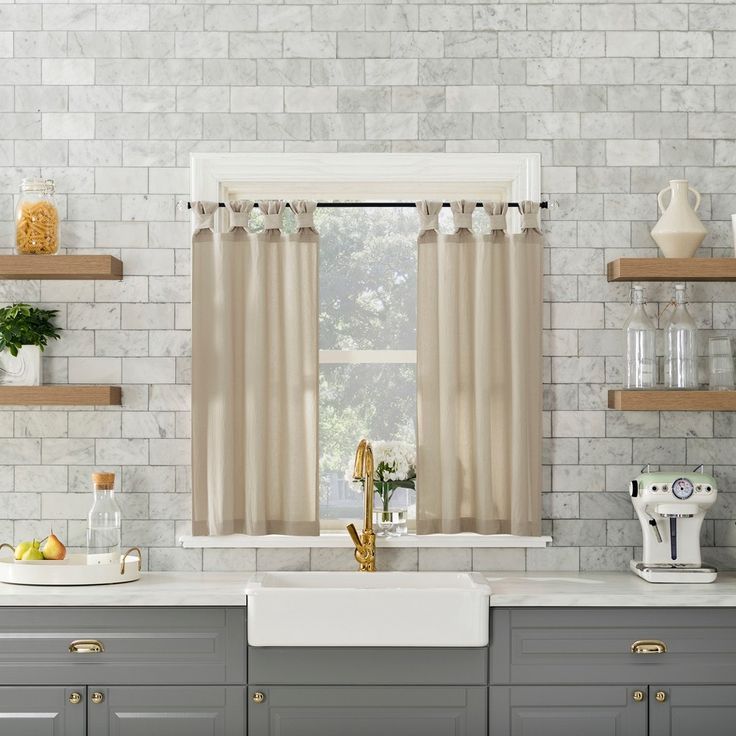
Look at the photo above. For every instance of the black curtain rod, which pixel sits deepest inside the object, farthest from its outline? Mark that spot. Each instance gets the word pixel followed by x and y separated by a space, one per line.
pixel 334 205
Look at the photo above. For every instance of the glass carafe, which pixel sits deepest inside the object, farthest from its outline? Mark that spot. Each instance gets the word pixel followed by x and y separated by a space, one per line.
pixel 680 345
pixel 640 354
pixel 103 528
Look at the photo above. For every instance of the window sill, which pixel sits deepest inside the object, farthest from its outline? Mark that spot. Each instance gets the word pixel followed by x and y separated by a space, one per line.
pixel 341 539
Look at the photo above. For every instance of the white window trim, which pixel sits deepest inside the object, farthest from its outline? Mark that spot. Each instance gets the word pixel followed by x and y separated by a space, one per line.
pixel 365 177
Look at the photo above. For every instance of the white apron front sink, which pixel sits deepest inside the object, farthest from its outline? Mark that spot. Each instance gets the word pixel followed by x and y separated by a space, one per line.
pixel 381 609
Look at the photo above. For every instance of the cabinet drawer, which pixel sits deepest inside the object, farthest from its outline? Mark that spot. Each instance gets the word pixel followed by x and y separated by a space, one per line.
pixel 367 711
pixel 573 646
pixel 367 666
pixel 141 645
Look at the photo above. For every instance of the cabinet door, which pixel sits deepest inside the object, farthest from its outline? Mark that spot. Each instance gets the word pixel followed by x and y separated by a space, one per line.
pixel 560 710
pixel 291 710
pixel 209 710
pixel 688 710
pixel 42 711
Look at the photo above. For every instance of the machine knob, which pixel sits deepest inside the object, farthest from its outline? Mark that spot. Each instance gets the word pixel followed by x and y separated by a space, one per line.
pixel 638 696
pixel 660 696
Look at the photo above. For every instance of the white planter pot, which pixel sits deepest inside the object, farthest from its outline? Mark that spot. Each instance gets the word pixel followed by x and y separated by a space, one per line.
pixel 22 370
pixel 679 231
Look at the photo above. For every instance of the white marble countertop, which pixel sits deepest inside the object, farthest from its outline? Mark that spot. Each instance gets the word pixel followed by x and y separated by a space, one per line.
pixel 508 589
pixel 599 589
pixel 153 589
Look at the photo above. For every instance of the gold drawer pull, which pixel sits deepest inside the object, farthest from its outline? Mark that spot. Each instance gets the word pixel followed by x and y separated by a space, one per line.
pixel 638 696
pixel 86 646
pixel 258 697
pixel 661 696
pixel 75 698
pixel 648 646
pixel 97 698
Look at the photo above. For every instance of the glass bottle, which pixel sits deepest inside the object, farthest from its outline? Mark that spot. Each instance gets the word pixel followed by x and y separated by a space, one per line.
pixel 103 527
pixel 681 345
pixel 640 358
pixel 37 218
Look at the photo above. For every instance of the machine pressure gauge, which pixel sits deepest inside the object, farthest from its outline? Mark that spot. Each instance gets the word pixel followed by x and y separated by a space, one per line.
pixel 682 488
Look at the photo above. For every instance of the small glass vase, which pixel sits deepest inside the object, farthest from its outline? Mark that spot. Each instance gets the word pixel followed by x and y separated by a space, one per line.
pixel 390 522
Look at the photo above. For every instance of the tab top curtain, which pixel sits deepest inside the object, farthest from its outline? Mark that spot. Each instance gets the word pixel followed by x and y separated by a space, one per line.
pixel 254 372
pixel 479 373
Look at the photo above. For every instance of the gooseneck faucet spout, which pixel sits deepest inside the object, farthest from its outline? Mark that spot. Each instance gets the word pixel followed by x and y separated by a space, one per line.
pixel 365 543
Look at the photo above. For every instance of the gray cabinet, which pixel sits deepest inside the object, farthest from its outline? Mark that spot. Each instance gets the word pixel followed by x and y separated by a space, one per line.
pixel 42 711
pixel 560 710
pixel 290 710
pixel 166 711
pixel 685 710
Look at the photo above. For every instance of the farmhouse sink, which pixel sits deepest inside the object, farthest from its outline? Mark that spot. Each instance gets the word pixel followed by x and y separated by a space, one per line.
pixel 354 609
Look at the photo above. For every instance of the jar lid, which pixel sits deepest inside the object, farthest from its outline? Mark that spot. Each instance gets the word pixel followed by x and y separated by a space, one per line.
pixel 36 184
pixel 103 479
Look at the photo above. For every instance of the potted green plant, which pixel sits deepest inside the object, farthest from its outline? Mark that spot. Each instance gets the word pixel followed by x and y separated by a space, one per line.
pixel 24 333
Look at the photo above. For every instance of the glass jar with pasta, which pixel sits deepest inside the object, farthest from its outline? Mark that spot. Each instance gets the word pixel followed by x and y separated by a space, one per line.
pixel 36 218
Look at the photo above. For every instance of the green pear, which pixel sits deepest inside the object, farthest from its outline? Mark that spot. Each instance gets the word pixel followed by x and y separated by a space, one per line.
pixel 33 552
pixel 21 549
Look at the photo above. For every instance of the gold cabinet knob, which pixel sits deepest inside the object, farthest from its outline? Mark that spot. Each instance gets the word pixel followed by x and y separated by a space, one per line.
pixel 648 646
pixel 97 698
pixel 638 696
pixel 660 696
pixel 258 697
pixel 75 698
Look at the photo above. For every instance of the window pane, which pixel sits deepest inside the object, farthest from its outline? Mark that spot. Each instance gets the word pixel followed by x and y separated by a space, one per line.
pixel 373 401
pixel 367 278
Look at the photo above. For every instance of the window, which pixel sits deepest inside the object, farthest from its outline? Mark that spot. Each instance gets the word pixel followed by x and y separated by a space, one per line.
pixel 367 333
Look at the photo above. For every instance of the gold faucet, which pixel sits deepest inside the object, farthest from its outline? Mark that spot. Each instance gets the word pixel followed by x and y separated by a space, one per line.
pixel 365 544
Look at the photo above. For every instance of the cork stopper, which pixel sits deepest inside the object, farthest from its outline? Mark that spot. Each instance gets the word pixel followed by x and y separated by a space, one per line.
pixel 104 480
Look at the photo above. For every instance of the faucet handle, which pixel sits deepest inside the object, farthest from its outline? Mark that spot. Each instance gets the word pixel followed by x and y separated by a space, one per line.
pixel 353 532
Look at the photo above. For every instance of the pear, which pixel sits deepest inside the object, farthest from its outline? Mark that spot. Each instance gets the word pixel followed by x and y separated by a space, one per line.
pixel 21 549
pixel 33 552
pixel 53 549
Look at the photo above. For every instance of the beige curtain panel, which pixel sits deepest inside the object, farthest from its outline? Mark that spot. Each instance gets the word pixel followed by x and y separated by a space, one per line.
pixel 254 372
pixel 479 373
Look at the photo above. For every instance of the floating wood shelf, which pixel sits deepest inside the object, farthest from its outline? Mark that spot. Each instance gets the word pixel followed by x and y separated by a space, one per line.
pixel 672 269
pixel 106 268
pixel 671 400
pixel 61 395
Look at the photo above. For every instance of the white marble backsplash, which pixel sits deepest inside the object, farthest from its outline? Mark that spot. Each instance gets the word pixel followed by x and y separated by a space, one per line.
pixel 109 99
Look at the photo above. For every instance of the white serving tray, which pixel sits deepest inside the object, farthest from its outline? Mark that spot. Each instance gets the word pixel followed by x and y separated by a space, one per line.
pixel 75 569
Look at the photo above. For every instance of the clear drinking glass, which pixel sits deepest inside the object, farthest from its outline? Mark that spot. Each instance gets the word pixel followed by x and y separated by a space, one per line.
pixel 681 345
pixel 103 529
pixel 640 358
pixel 720 362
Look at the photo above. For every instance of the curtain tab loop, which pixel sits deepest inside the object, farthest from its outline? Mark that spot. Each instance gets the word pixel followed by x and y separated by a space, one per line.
pixel 204 215
pixel 462 214
pixel 530 216
pixel 429 216
pixel 496 212
pixel 304 219
pixel 273 214
pixel 304 213
pixel 272 222
pixel 239 211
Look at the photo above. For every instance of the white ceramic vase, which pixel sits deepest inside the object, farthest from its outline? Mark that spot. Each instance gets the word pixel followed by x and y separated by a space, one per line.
pixel 679 231
pixel 23 369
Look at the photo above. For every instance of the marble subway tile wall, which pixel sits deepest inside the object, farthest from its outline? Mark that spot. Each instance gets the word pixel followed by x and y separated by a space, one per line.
pixel 110 99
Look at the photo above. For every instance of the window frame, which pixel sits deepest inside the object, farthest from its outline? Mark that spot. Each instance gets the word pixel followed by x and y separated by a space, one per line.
pixel 360 177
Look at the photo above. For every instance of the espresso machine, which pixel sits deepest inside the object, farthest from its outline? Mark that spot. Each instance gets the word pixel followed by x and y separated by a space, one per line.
pixel 671 508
